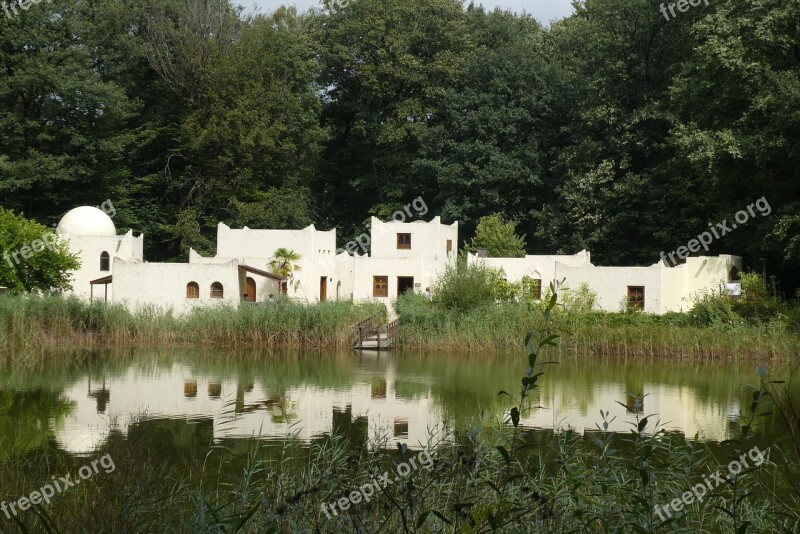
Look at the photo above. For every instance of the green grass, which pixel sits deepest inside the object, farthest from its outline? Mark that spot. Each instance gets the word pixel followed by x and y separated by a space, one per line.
pixel 30 323
pixel 566 483
pixel 425 325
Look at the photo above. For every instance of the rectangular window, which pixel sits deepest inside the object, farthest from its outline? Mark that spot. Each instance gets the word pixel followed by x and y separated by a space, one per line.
pixel 380 286
pixel 401 428
pixel 535 289
pixel 403 241
pixel 449 245
pixel 636 297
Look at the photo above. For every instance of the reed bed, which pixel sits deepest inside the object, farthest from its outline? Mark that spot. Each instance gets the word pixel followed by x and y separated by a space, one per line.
pixel 501 327
pixel 34 323
pixel 566 484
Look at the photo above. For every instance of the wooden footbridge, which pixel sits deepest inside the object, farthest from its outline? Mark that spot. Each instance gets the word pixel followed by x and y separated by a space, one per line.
pixel 369 334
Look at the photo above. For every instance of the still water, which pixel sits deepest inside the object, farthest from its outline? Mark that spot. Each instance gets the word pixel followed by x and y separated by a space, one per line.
pixel 269 396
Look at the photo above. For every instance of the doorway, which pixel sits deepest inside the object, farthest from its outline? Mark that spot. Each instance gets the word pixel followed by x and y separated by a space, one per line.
pixel 323 288
pixel 250 289
pixel 404 283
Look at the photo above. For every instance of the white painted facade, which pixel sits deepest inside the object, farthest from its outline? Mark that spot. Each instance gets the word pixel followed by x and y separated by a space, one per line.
pixel 666 289
pixel 316 277
pixel 403 256
pixel 413 261
pixel 90 234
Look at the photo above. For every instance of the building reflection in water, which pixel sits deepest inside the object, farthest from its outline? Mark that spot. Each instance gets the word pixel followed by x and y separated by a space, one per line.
pixel 365 405
pixel 102 396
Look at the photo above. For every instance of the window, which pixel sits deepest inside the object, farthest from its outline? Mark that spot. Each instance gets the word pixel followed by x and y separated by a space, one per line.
pixel 403 241
pixel 192 290
pixel 380 286
pixel 405 283
pixel 734 275
pixel 532 287
pixel 401 428
pixel 636 297
pixel 105 262
pixel 449 245
pixel 217 291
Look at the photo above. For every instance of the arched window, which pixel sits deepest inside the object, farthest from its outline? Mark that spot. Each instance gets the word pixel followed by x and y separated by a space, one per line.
pixel 216 291
pixel 735 276
pixel 105 262
pixel 192 290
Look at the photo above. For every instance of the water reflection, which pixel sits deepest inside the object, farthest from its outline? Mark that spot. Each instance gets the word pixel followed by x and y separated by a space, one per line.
pixel 404 396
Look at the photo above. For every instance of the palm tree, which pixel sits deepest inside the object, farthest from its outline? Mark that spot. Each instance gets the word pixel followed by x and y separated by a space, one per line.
pixel 284 262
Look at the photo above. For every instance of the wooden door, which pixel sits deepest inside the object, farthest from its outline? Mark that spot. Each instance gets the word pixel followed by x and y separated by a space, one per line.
pixel 323 288
pixel 250 290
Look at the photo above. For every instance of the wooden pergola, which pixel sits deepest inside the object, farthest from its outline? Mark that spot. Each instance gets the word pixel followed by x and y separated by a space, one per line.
pixel 100 282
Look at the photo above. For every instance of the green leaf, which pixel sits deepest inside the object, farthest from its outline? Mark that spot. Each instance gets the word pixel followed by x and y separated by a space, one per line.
pixel 515 416
pixel 504 453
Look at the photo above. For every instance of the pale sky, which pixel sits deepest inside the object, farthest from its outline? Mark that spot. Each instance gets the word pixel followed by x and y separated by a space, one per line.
pixel 543 10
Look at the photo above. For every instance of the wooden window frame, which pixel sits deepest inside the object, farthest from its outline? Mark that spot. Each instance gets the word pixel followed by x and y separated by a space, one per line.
pixel 403 241
pixel 214 290
pixel 105 262
pixel 635 303
pixel 192 290
pixel 375 291
pixel 449 245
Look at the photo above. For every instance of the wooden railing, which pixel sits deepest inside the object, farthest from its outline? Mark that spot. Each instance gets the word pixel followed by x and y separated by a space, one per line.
pixel 370 328
pixel 391 332
pixel 363 330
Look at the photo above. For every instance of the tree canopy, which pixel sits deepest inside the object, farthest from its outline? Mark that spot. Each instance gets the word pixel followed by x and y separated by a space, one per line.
pixel 32 256
pixel 613 130
pixel 498 238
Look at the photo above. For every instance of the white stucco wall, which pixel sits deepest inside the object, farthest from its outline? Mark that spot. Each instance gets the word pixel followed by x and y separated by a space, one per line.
pixel 611 284
pixel 428 239
pixel 706 272
pixel 317 250
pixel 542 267
pixel 365 268
pixel 139 285
pixel 89 248
pixel 666 288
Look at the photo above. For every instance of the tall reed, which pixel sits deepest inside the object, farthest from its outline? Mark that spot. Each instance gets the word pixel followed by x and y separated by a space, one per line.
pixel 33 322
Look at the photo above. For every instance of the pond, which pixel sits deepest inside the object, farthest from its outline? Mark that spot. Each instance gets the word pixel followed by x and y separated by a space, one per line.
pixel 193 397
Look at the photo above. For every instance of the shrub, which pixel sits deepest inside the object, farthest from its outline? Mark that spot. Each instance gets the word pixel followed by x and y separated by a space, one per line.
pixel 714 309
pixel 463 287
pixel 581 300
pixel 759 301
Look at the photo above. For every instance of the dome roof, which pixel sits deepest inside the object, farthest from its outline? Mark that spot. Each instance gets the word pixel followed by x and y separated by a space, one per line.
pixel 86 221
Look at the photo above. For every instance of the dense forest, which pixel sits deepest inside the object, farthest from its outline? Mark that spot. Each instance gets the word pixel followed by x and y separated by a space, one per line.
pixel 615 130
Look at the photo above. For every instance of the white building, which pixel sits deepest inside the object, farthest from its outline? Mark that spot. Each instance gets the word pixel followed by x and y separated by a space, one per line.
pixel 404 256
pixel 315 279
pixel 92 236
pixel 656 289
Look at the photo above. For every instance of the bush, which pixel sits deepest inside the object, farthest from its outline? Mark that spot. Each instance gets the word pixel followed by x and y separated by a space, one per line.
pixel 759 301
pixel 714 309
pixel 581 300
pixel 463 287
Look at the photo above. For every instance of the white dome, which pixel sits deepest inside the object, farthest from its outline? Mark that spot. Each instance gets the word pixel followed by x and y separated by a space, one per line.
pixel 86 221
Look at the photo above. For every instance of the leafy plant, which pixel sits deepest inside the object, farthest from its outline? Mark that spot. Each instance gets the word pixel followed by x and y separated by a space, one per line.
pixel 498 237
pixel 284 262
pixel 32 256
